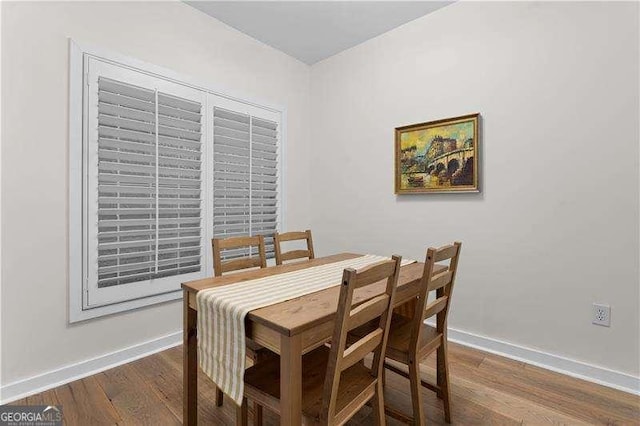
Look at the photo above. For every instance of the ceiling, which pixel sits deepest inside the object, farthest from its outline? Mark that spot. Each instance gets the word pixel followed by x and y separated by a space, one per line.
pixel 314 30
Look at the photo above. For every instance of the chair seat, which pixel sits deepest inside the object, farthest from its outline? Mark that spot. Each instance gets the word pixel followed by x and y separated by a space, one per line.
pixel 400 338
pixel 263 381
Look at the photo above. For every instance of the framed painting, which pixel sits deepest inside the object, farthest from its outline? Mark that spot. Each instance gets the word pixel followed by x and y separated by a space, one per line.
pixel 438 156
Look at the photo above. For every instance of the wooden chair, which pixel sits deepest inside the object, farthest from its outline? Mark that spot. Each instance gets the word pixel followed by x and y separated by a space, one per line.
pixel 254 351
pixel 220 266
pixel 411 340
pixel 336 383
pixel 293 254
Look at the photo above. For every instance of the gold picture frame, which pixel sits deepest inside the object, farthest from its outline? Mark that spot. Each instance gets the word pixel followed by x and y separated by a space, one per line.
pixel 438 156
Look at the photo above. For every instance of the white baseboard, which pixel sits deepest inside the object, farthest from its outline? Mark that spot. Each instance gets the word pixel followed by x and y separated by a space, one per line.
pixel 592 373
pixel 51 379
pixel 581 370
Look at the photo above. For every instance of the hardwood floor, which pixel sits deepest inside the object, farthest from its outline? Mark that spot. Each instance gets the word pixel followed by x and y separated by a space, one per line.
pixel 486 390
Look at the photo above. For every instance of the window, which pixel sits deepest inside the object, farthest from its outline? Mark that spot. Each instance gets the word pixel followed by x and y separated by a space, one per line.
pixel 159 166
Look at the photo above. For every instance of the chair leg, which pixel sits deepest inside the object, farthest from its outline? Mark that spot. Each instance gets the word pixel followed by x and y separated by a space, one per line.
pixel 416 394
pixel 443 380
pixel 257 414
pixel 384 376
pixel 378 405
pixel 439 371
pixel 242 414
pixel 219 397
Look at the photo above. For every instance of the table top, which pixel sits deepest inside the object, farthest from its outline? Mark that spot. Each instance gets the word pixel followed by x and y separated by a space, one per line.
pixel 302 313
pixel 204 283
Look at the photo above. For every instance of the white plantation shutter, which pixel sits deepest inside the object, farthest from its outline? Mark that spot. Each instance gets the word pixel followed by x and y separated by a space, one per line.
pixel 144 233
pixel 245 177
pixel 231 178
pixel 145 216
pixel 180 229
pixel 126 183
pixel 158 167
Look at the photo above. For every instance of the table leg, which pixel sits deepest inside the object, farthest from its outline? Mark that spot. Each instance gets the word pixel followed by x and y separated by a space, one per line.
pixel 189 364
pixel 291 380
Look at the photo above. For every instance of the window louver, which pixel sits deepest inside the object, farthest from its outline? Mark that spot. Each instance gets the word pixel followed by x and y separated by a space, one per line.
pixel 245 178
pixel 264 180
pixel 149 184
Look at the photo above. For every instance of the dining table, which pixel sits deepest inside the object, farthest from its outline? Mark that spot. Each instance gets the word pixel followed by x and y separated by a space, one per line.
pixel 289 329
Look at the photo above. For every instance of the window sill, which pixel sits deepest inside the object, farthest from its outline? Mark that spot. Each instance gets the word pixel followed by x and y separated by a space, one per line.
pixel 77 314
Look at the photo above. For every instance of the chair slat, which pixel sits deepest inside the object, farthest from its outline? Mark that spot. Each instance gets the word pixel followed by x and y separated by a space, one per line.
pixel 372 308
pixel 436 306
pixel 374 273
pixel 237 242
pixel 242 263
pixel 446 252
pixel 294 254
pixel 292 236
pixel 361 348
pixel 440 280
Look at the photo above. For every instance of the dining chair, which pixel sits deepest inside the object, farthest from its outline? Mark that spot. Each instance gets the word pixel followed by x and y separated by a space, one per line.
pixel 411 340
pixel 336 383
pixel 293 254
pixel 254 351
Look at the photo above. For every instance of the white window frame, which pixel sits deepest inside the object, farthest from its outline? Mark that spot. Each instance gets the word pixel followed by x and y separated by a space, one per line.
pixel 78 284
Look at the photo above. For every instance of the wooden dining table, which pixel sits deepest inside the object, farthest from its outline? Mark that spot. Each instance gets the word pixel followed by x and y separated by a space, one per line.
pixel 290 329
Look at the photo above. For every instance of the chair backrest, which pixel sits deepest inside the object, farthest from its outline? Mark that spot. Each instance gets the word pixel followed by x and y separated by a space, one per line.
pixel 220 266
pixel 378 310
pixel 293 254
pixel 442 284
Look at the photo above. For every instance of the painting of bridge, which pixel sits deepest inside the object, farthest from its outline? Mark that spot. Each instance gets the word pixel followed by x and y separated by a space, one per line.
pixel 438 156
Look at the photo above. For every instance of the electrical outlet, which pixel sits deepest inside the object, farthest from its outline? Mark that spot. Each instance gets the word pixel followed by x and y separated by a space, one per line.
pixel 601 315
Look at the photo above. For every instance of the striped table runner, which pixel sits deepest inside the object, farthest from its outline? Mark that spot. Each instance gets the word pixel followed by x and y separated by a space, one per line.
pixel 222 310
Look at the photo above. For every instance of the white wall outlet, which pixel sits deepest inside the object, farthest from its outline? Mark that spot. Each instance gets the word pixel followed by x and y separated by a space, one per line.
pixel 601 315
